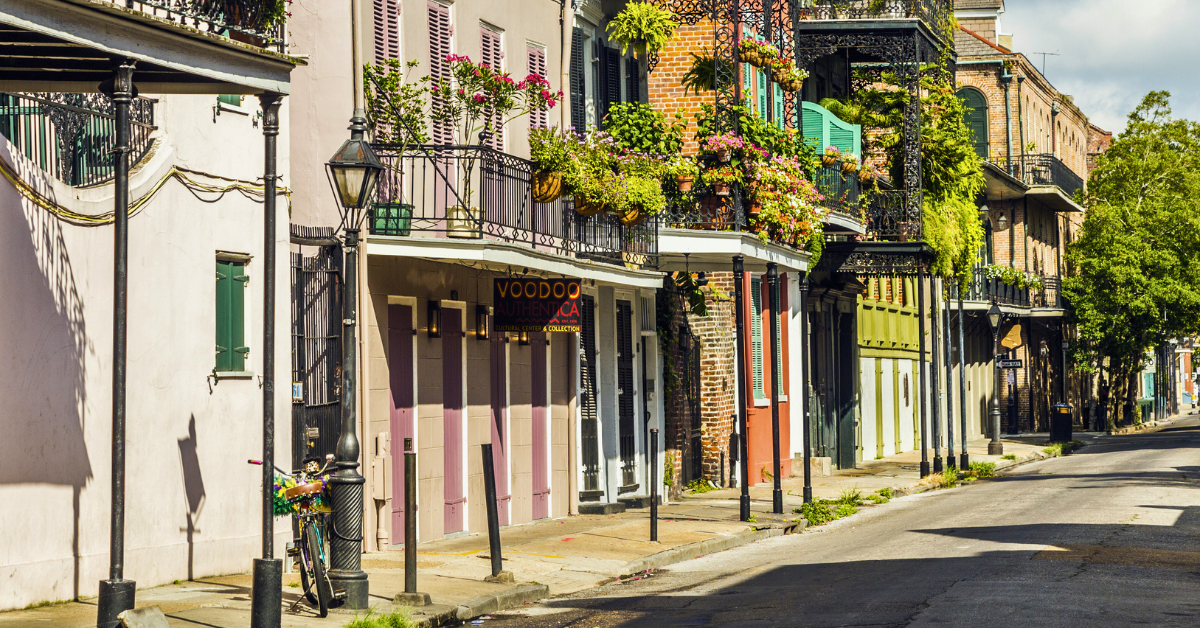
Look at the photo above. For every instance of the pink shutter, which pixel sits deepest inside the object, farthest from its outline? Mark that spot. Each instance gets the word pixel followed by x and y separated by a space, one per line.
pixel 541 427
pixel 400 369
pixel 536 60
pixel 452 420
pixel 439 47
pixel 489 44
pixel 386 15
pixel 500 448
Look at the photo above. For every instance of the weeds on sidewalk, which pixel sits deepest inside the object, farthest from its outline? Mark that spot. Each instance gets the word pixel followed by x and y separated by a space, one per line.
pixel 981 470
pixel 943 480
pixel 399 619
pixel 882 496
pixel 822 511
pixel 1057 449
pixel 1009 457
pixel 700 486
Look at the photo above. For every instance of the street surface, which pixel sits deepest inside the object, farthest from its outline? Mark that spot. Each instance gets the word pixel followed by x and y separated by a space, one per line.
pixel 1108 536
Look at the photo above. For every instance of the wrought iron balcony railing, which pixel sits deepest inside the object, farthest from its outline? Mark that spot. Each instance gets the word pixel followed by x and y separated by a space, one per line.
pixel 1050 295
pixel 247 21
pixel 842 191
pixel 935 13
pixel 1044 169
pixel 71 136
pixel 477 193
pixel 984 289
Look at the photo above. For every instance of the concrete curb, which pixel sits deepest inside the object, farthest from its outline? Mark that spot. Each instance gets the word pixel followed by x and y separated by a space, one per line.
pixel 703 548
pixel 451 615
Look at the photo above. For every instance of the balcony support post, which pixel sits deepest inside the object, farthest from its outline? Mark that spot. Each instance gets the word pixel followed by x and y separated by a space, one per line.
pixel 805 379
pixel 947 349
pixel 739 304
pixel 776 371
pixel 924 445
pixel 963 460
pixel 117 593
pixel 935 394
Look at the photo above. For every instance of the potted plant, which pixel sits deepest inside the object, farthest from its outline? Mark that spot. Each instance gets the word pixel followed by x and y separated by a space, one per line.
pixel 849 164
pixel 644 27
pixel 643 197
pixel 722 179
pixel 867 174
pixel 550 151
pixel 396 112
pixel 684 170
pixel 723 146
pixel 831 156
pixel 791 208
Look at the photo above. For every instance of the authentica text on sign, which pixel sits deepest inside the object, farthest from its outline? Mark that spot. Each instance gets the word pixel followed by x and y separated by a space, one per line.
pixel 537 305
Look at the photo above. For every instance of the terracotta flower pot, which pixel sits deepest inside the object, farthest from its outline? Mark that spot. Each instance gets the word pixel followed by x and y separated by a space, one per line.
pixel 828 161
pixel 724 156
pixel 585 208
pixel 684 183
pixel 754 207
pixel 547 186
pixel 721 189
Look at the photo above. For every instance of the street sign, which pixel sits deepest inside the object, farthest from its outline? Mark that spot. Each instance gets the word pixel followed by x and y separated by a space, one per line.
pixel 1010 364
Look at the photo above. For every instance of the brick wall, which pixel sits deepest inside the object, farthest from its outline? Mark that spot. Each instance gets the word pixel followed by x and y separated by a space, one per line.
pixel 1098 141
pixel 674 60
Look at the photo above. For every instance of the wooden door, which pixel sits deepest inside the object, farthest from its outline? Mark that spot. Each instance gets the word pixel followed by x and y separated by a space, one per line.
pixel 500 434
pixel 452 419
pixel 541 426
pixel 400 384
pixel 625 392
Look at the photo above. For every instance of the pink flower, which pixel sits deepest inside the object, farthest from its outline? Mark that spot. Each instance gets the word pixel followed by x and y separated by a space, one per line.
pixel 478 98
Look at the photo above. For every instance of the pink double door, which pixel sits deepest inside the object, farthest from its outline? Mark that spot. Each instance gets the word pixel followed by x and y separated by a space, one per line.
pixel 541 425
pixel 400 367
pixel 452 420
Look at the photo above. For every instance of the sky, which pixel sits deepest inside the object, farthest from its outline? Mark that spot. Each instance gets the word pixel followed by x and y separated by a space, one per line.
pixel 1112 52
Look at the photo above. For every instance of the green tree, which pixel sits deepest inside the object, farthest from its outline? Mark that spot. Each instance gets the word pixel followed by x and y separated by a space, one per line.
pixel 1133 271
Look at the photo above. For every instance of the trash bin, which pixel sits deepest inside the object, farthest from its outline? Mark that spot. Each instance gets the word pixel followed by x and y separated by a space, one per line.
pixel 1060 423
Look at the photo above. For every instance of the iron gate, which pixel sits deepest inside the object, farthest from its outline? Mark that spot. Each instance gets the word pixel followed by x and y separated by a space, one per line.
pixel 690 348
pixel 316 345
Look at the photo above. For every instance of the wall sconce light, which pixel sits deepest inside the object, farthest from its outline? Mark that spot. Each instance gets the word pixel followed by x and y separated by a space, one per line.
pixel 434 311
pixel 481 322
pixel 1002 222
pixel 701 281
pixel 523 338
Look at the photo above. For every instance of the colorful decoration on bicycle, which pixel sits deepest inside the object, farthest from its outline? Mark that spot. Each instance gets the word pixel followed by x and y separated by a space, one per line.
pixel 288 495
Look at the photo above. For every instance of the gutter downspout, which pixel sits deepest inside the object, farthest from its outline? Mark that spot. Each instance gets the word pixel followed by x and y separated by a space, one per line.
pixel 1007 78
pixel 1021 121
pixel 367 452
pixel 564 70
pixel 1054 111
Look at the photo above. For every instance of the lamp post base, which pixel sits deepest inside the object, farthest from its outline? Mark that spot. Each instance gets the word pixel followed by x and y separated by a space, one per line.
pixel 963 462
pixel 808 494
pixel 116 596
pixel 937 464
pixel 996 449
pixel 354 584
pixel 745 507
pixel 266 595
pixel 924 468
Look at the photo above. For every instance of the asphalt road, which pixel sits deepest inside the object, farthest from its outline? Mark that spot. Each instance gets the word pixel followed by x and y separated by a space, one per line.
pixel 1108 536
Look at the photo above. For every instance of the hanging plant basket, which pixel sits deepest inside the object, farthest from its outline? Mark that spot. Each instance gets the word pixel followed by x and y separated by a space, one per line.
pixel 721 189
pixel 865 176
pixel 849 167
pixel 684 183
pixel 754 207
pixel 584 208
pixel 828 161
pixel 547 186
pixel 632 216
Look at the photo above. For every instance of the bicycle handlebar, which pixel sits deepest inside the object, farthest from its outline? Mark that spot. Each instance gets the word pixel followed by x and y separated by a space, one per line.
pixel 259 462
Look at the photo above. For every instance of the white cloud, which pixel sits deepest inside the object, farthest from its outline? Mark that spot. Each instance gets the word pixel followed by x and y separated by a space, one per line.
pixel 1112 52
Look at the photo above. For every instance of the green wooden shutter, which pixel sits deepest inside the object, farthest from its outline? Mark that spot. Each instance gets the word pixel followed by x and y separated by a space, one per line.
pixel 976 119
pixel 779 347
pixel 230 99
pixel 822 128
pixel 762 94
pixel 231 346
pixel 756 337
pixel 779 121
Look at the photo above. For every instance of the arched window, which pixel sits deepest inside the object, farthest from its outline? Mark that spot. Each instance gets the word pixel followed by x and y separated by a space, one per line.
pixel 976 118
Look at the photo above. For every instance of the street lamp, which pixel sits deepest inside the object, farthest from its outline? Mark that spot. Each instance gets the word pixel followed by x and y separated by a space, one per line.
pixel 995 318
pixel 352 170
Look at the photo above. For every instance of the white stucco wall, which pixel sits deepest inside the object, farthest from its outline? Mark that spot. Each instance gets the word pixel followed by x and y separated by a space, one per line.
pixel 193 504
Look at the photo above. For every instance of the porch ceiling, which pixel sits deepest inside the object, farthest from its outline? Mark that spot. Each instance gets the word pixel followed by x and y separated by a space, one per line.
pixel 1053 197
pixel 67 45
pixel 504 257
pixel 713 251
pixel 1000 185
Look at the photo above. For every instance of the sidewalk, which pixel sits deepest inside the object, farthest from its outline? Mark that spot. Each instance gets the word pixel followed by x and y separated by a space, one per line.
pixel 547 558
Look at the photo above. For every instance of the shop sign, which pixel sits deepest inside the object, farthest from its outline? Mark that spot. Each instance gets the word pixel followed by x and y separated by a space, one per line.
pixel 537 305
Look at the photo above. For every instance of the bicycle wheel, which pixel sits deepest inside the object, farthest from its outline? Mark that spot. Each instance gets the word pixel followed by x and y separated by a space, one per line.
pixel 306 580
pixel 320 579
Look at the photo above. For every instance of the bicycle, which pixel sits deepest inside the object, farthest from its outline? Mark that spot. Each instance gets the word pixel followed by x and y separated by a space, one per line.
pixel 301 493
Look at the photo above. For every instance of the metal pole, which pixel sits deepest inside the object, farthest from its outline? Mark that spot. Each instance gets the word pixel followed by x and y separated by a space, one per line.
pixel 267 593
pixel 935 394
pixel 410 517
pixel 804 388
pixel 116 593
pixel 654 484
pixel 947 347
pixel 346 484
pixel 739 318
pixel 924 444
pixel 493 518
pixel 995 447
pixel 773 294
pixel 963 459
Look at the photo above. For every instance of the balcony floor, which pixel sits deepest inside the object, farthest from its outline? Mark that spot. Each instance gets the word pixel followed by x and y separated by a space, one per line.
pixel 713 251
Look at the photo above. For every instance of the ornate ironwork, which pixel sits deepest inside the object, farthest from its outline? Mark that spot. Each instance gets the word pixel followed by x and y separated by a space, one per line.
pixel 248 21
pixel 936 14
pixel 71 136
pixel 875 264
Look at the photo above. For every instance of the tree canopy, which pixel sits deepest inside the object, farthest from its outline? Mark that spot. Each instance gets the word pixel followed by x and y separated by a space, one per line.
pixel 1133 271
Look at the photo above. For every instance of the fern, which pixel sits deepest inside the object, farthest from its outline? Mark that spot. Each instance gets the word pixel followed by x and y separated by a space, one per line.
pixel 644 26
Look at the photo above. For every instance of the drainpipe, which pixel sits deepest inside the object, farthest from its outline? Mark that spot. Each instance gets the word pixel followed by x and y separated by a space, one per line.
pixel 564 70
pixel 1007 78
pixel 1021 119
pixel 1054 129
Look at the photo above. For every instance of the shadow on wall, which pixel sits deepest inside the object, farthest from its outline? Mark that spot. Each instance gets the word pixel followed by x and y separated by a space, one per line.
pixel 43 347
pixel 193 489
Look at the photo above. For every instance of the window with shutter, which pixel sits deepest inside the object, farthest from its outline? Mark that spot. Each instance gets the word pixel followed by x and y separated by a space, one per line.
pixel 493 56
pixel 762 94
pixel 439 47
pixel 610 79
pixel 756 338
pixel 633 81
pixel 976 118
pixel 386 15
pixel 578 82
pixel 535 60
pixel 231 346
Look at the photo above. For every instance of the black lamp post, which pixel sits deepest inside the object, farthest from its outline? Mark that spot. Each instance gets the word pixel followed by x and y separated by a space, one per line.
pixel 352 170
pixel 995 318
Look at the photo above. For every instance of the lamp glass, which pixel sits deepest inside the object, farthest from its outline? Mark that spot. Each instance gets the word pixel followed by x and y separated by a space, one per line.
pixel 994 315
pixel 481 322
pixel 435 316
pixel 349 181
pixel 1002 222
